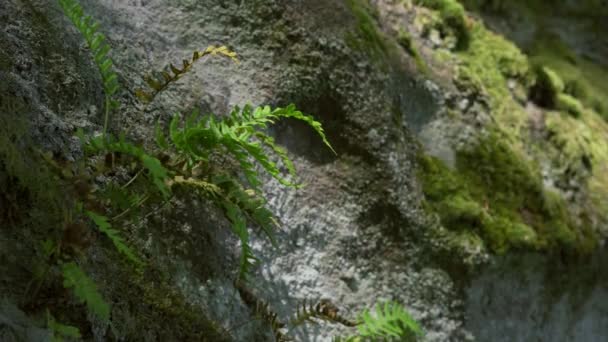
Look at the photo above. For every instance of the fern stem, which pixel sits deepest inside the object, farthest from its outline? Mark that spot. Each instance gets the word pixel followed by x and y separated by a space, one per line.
pixel 136 205
pixel 133 179
pixel 107 116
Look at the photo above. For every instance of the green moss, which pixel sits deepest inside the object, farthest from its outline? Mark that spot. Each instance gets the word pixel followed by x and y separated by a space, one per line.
pixel 570 105
pixel 453 15
pixel 582 79
pixel 492 60
pixel 405 41
pixel 495 192
pixel 367 37
pixel 548 87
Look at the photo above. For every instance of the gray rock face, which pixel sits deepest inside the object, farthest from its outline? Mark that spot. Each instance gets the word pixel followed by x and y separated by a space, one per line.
pixel 530 298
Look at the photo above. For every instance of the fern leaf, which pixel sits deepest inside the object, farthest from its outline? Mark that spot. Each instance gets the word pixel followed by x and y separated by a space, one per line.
pixel 206 187
pixel 172 73
pixel 280 151
pixel 161 141
pixel 391 321
pixel 323 310
pixel 105 227
pixel 158 172
pixel 96 42
pixel 251 203
pixel 291 112
pixel 85 290
pixel 239 228
pixel 61 331
pixel 263 311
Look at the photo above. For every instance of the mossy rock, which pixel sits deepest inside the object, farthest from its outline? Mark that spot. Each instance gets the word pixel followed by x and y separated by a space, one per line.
pixel 497 193
pixel 570 105
pixel 367 38
pixel 549 85
pixel 453 15
pixel 404 39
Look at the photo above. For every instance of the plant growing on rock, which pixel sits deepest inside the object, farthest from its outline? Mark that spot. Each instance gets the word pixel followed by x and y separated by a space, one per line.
pixel 184 160
pixel 118 183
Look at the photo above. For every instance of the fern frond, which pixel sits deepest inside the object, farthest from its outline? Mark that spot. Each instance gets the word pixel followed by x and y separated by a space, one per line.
pixel 85 290
pixel 263 310
pixel 391 321
pixel 251 203
pixel 117 197
pixel 206 187
pixel 172 73
pixel 323 310
pixel 105 227
pixel 239 228
pixel 158 173
pixel 96 42
pixel 240 135
pixel 291 112
pixel 60 331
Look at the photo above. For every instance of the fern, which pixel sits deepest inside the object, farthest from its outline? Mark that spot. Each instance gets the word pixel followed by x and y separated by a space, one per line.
pixel 263 310
pixel 105 227
pixel 391 321
pixel 250 203
pixel 173 73
pixel 100 49
pixel 240 136
pixel 85 290
pixel 239 228
pixel 323 310
pixel 158 173
pixel 61 331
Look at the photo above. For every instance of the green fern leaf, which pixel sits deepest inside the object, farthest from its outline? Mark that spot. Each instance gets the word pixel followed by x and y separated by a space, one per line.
pixel 291 112
pixel 96 42
pixel 61 331
pixel 239 228
pixel 105 227
pixel 391 321
pixel 85 290
pixel 158 173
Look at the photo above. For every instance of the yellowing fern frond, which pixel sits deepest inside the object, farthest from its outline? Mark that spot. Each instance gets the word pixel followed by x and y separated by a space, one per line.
pixel 173 73
pixel 323 310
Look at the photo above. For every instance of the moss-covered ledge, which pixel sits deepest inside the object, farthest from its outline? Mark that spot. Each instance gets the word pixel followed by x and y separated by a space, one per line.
pixel 498 195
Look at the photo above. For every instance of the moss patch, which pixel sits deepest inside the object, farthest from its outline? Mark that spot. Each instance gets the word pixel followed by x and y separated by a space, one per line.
pixel 454 17
pixel 498 194
pixel 404 39
pixel 367 38
pixel 582 79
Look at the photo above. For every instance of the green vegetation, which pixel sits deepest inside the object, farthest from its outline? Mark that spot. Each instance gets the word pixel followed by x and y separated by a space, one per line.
pixel 581 78
pixel 390 321
pixel 99 48
pixel 498 194
pixel 569 105
pixel 454 18
pixel 367 38
pixel 117 184
pixel 405 41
